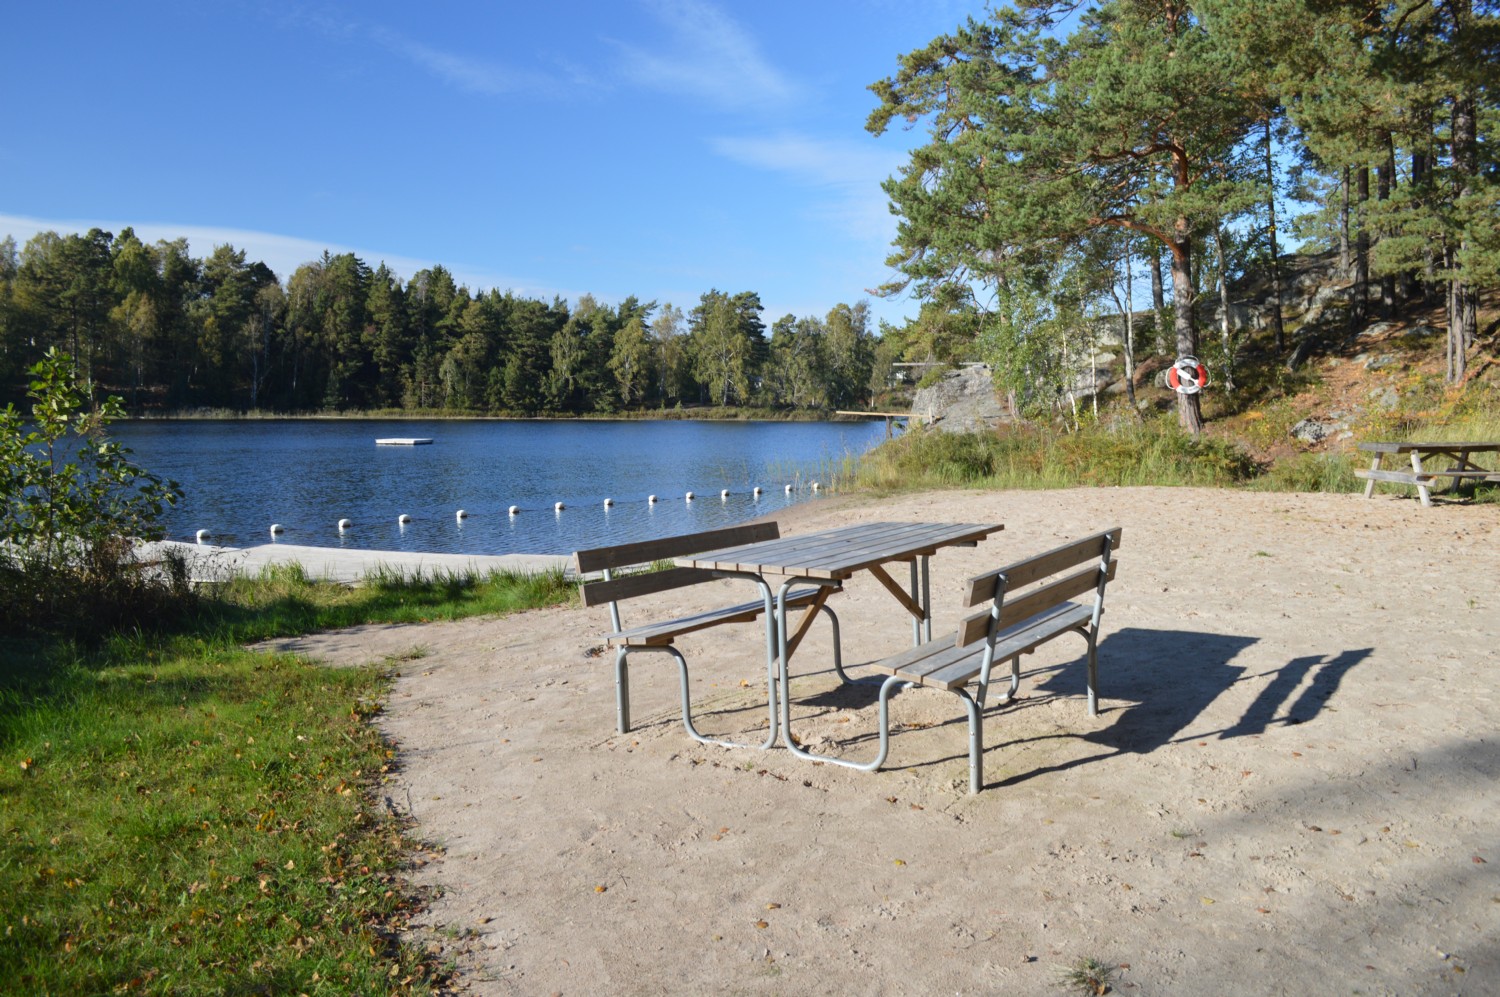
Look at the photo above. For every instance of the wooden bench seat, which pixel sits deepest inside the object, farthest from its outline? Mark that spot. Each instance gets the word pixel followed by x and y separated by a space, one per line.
pixel 603 584
pixel 1398 477
pixel 943 664
pixel 1029 605
pixel 1425 477
pixel 665 631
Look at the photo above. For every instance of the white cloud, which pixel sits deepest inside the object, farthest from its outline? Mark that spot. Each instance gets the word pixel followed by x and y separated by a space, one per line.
pixel 460 71
pixel 282 253
pixel 849 173
pixel 711 56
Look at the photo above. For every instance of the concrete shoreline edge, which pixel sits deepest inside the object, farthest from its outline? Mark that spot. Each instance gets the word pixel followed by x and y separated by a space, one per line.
pixel 208 562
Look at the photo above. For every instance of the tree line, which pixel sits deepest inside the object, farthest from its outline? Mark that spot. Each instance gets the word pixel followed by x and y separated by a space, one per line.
pixel 1071 141
pixel 170 332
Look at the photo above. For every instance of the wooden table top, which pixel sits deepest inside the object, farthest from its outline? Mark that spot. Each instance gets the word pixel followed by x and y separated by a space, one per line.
pixel 1458 446
pixel 839 552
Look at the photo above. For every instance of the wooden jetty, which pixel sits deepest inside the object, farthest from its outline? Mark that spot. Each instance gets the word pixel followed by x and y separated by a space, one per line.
pixel 891 418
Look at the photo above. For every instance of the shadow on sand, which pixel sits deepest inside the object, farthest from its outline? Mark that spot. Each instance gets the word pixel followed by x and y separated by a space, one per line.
pixel 1174 675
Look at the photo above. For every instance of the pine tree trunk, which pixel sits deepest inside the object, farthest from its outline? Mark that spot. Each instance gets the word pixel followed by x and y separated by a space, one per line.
pixel 1359 312
pixel 1158 299
pixel 1385 178
pixel 1130 330
pixel 1344 224
pixel 1278 326
pixel 1462 301
pixel 1189 414
pixel 1226 338
pixel 1421 184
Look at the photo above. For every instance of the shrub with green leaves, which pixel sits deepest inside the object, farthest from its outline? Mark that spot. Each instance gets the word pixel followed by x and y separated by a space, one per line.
pixel 74 506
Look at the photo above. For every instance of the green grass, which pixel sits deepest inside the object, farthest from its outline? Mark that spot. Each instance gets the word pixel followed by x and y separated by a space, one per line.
pixel 1043 457
pixel 179 815
pixel 283 600
pixel 1118 450
pixel 1087 976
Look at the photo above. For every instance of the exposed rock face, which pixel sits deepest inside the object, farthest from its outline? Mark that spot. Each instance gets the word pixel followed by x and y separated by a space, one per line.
pixel 963 401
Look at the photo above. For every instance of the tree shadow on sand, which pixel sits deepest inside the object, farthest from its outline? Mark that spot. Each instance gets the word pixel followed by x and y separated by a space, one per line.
pixel 1175 675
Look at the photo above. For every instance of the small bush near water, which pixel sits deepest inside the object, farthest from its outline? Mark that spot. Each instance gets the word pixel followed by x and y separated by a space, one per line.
pixel 71 506
pixel 180 815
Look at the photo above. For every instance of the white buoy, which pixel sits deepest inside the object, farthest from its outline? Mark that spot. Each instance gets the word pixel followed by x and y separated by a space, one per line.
pixel 202 536
pixel 608 502
pixel 461 514
pixel 757 491
pixel 276 529
pixel 689 496
pixel 558 507
pixel 724 495
pixel 514 509
pixel 344 524
pixel 789 489
pixel 403 519
pixel 651 500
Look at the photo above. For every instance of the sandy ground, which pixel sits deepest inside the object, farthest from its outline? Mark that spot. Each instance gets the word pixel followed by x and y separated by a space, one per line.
pixel 1290 789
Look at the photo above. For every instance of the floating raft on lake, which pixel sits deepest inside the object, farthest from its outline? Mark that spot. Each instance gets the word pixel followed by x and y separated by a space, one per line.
pixel 403 441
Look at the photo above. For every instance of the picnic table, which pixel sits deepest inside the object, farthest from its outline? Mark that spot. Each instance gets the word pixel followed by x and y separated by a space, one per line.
pixel 828 558
pixel 1462 469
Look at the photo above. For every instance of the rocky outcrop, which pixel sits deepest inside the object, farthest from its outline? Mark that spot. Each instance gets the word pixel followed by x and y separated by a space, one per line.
pixel 961 401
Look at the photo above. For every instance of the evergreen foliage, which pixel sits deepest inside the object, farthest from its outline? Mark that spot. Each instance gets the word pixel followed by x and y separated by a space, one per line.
pixel 1055 125
pixel 172 333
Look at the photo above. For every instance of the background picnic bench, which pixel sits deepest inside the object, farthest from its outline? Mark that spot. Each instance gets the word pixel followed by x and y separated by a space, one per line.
pixel 1420 477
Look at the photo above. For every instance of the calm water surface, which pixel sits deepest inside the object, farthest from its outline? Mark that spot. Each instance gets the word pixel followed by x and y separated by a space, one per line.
pixel 241 476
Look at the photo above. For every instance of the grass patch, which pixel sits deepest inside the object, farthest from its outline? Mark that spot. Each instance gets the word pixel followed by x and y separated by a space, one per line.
pixel 1021 456
pixel 1087 976
pixel 179 815
pixel 283 600
pixel 1312 472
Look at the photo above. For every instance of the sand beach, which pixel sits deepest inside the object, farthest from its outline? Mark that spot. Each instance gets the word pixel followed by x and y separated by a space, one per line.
pixel 1291 787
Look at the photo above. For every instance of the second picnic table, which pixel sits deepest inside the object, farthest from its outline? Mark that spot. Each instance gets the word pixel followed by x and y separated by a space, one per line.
pixel 1461 453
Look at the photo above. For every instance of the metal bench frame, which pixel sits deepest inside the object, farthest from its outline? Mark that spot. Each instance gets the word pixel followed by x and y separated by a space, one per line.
pixel 617 583
pixel 1011 626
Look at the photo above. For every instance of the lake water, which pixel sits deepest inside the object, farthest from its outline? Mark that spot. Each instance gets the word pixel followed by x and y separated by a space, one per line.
pixel 239 477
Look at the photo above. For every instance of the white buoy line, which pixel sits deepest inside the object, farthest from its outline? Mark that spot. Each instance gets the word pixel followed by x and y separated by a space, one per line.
pixel 404 519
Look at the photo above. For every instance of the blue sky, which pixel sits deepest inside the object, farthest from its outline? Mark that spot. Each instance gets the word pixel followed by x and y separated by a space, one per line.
pixel 650 147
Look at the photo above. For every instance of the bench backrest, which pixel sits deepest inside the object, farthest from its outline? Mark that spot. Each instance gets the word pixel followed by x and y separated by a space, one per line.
pixel 647 552
pixel 1007 586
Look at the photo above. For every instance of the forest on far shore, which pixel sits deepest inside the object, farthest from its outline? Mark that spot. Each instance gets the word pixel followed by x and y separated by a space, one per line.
pixel 172 333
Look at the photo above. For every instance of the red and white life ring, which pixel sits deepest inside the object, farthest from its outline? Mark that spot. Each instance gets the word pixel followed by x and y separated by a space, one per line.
pixel 1187 376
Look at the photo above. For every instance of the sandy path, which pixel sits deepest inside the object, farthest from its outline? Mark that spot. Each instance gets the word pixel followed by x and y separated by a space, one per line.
pixel 1290 789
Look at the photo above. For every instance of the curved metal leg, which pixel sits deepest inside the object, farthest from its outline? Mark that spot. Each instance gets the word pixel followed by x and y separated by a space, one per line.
pixel 687 706
pixel 786 706
pixel 886 688
pixel 838 646
pixel 1015 685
